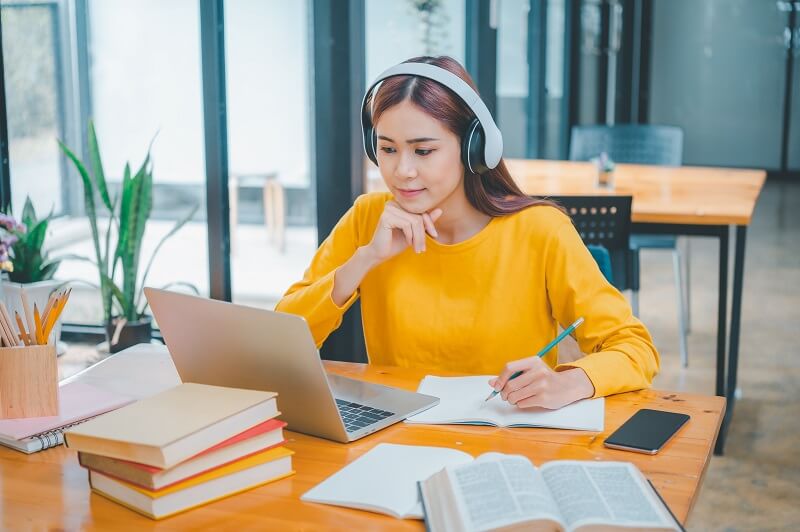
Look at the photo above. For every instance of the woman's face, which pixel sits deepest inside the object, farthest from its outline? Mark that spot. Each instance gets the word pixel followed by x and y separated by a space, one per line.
pixel 419 158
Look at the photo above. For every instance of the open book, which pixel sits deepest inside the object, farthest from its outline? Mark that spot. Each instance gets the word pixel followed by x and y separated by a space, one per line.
pixel 507 492
pixel 463 402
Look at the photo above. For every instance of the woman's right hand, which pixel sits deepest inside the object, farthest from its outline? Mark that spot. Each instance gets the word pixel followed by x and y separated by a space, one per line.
pixel 398 229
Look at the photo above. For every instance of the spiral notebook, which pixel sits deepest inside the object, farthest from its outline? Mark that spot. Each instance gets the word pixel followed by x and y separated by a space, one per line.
pixel 77 403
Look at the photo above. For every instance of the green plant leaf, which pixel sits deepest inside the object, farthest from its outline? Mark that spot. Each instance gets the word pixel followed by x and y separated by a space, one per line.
pixel 180 223
pixel 91 213
pixel 97 167
pixel 118 295
pixel 48 270
pixel 82 258
pixel 28 213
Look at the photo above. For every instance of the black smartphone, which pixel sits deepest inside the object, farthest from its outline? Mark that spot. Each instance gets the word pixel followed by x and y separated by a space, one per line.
pixel 647 431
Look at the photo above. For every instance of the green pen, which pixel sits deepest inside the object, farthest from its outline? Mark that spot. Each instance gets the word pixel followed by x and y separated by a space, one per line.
pixel 544 351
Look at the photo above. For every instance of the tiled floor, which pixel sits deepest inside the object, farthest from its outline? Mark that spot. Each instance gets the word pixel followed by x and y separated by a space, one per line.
pixel 756 485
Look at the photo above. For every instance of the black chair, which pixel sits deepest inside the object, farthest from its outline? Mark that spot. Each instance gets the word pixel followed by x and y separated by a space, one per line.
pixel 642 144
pixel 604 223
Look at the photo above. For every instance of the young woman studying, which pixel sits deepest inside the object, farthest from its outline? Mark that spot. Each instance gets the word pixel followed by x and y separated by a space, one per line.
pixel 456 268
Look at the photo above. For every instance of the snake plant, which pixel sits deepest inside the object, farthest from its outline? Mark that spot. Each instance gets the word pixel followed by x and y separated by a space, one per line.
pixel 127 212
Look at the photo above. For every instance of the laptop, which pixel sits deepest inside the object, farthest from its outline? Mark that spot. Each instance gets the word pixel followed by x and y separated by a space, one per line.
pixel 219 343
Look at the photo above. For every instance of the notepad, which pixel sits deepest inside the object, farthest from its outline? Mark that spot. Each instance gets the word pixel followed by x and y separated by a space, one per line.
pixel 384 479
pixel 77 402
pixel 463 402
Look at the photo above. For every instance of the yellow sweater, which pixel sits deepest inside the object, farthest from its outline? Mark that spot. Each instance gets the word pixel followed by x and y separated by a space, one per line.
pixel 476 305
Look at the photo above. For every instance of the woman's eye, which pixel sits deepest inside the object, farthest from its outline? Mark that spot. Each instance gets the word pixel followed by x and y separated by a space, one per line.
pixel 423 152
pixel 387 149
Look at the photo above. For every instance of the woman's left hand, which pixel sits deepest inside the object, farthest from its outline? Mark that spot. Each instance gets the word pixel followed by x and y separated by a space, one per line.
pixel 540 386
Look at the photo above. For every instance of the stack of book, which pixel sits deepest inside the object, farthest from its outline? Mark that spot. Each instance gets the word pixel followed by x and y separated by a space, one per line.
pixel 188 446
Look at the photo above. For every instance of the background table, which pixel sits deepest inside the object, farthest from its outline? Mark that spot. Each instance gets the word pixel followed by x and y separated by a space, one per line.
pixel 48 490
pixel 684 200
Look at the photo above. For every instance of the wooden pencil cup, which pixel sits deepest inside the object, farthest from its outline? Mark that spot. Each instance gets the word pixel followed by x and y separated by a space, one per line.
pixel 28 381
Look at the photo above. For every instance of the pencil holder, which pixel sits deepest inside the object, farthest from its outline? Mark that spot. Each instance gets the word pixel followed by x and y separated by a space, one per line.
pixel 28 381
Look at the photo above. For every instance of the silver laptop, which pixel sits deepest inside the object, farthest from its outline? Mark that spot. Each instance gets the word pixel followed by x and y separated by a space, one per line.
pixel 219 343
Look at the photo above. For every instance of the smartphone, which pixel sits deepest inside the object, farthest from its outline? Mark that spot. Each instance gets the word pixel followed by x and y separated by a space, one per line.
pixel 647 431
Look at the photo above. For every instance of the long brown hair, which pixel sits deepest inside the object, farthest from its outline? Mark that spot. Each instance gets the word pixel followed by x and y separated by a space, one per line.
pixel 494 192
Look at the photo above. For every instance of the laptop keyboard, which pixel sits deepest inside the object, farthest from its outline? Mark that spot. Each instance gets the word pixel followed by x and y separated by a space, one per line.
pixel 357 416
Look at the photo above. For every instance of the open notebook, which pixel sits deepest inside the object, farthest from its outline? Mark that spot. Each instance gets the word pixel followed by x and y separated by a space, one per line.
pixel 384 479
pixel 463 402
pixel 77 403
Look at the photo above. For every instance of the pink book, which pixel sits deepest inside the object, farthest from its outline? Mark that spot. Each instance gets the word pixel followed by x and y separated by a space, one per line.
pixel 77 402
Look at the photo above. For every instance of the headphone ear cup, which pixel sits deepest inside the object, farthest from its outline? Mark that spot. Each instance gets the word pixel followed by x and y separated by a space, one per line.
pixel 472 146
pixel 370 145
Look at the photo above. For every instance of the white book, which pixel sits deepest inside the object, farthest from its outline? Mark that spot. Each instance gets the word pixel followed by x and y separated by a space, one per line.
pixel 463 401
pixel 384 480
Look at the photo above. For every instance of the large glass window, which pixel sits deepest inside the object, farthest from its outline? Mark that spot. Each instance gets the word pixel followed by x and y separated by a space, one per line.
pixel 146 85
pixel 512 77
pixel 273 214
pixel 31 54
pixel 399 30
pixel 530 127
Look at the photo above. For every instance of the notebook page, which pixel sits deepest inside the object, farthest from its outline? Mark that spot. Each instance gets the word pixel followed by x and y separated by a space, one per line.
pixel 77 401
pixel 463 401
pixel 385 479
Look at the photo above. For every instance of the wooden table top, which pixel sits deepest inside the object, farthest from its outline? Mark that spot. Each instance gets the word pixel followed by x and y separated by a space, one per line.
pixel 661 194
pixel 48 490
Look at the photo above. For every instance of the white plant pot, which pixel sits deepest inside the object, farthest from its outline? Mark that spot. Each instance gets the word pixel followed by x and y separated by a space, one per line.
pixel 37 293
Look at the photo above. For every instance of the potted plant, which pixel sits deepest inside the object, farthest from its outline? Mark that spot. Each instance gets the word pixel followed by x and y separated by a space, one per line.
pixel 118 249
pixel 27 263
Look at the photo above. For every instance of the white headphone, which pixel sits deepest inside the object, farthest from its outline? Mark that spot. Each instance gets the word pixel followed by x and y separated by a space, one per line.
pixel 482 145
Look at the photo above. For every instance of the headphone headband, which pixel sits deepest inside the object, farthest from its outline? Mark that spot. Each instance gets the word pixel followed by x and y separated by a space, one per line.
pixel 493 147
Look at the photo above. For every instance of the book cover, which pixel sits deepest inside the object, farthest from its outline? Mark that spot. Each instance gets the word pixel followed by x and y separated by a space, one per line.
pixel 173 426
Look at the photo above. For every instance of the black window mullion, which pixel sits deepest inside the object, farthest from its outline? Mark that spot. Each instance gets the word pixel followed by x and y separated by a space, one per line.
pixel 212 45
pixel 5 172
pixel 338 66
pixel 481 49
pixel 536 104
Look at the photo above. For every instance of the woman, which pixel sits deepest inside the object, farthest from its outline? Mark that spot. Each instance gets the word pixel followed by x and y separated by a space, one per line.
pixel 456 268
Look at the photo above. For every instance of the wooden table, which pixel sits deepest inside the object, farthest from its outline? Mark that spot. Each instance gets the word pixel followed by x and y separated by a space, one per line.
pixel 685 200
pixel 49 491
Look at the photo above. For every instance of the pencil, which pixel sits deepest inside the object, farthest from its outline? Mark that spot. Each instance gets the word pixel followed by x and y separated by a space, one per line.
pixel 37 322
pixel 27 313
pixel 23 334
pixel 544 350
pixel 8 323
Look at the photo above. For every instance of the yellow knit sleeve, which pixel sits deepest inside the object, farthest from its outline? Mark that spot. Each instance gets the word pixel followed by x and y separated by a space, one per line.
pixel 621 355
pixel 311 297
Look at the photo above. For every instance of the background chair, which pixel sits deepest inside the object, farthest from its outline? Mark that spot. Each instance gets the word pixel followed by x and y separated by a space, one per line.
pixel 604 224
pixel 642 144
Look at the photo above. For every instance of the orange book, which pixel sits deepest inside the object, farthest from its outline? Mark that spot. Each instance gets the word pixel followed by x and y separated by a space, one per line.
pixel 242 475
pixel 254 440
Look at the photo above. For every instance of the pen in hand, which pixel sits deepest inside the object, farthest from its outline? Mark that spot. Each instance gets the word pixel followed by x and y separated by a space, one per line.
pixel 544 351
